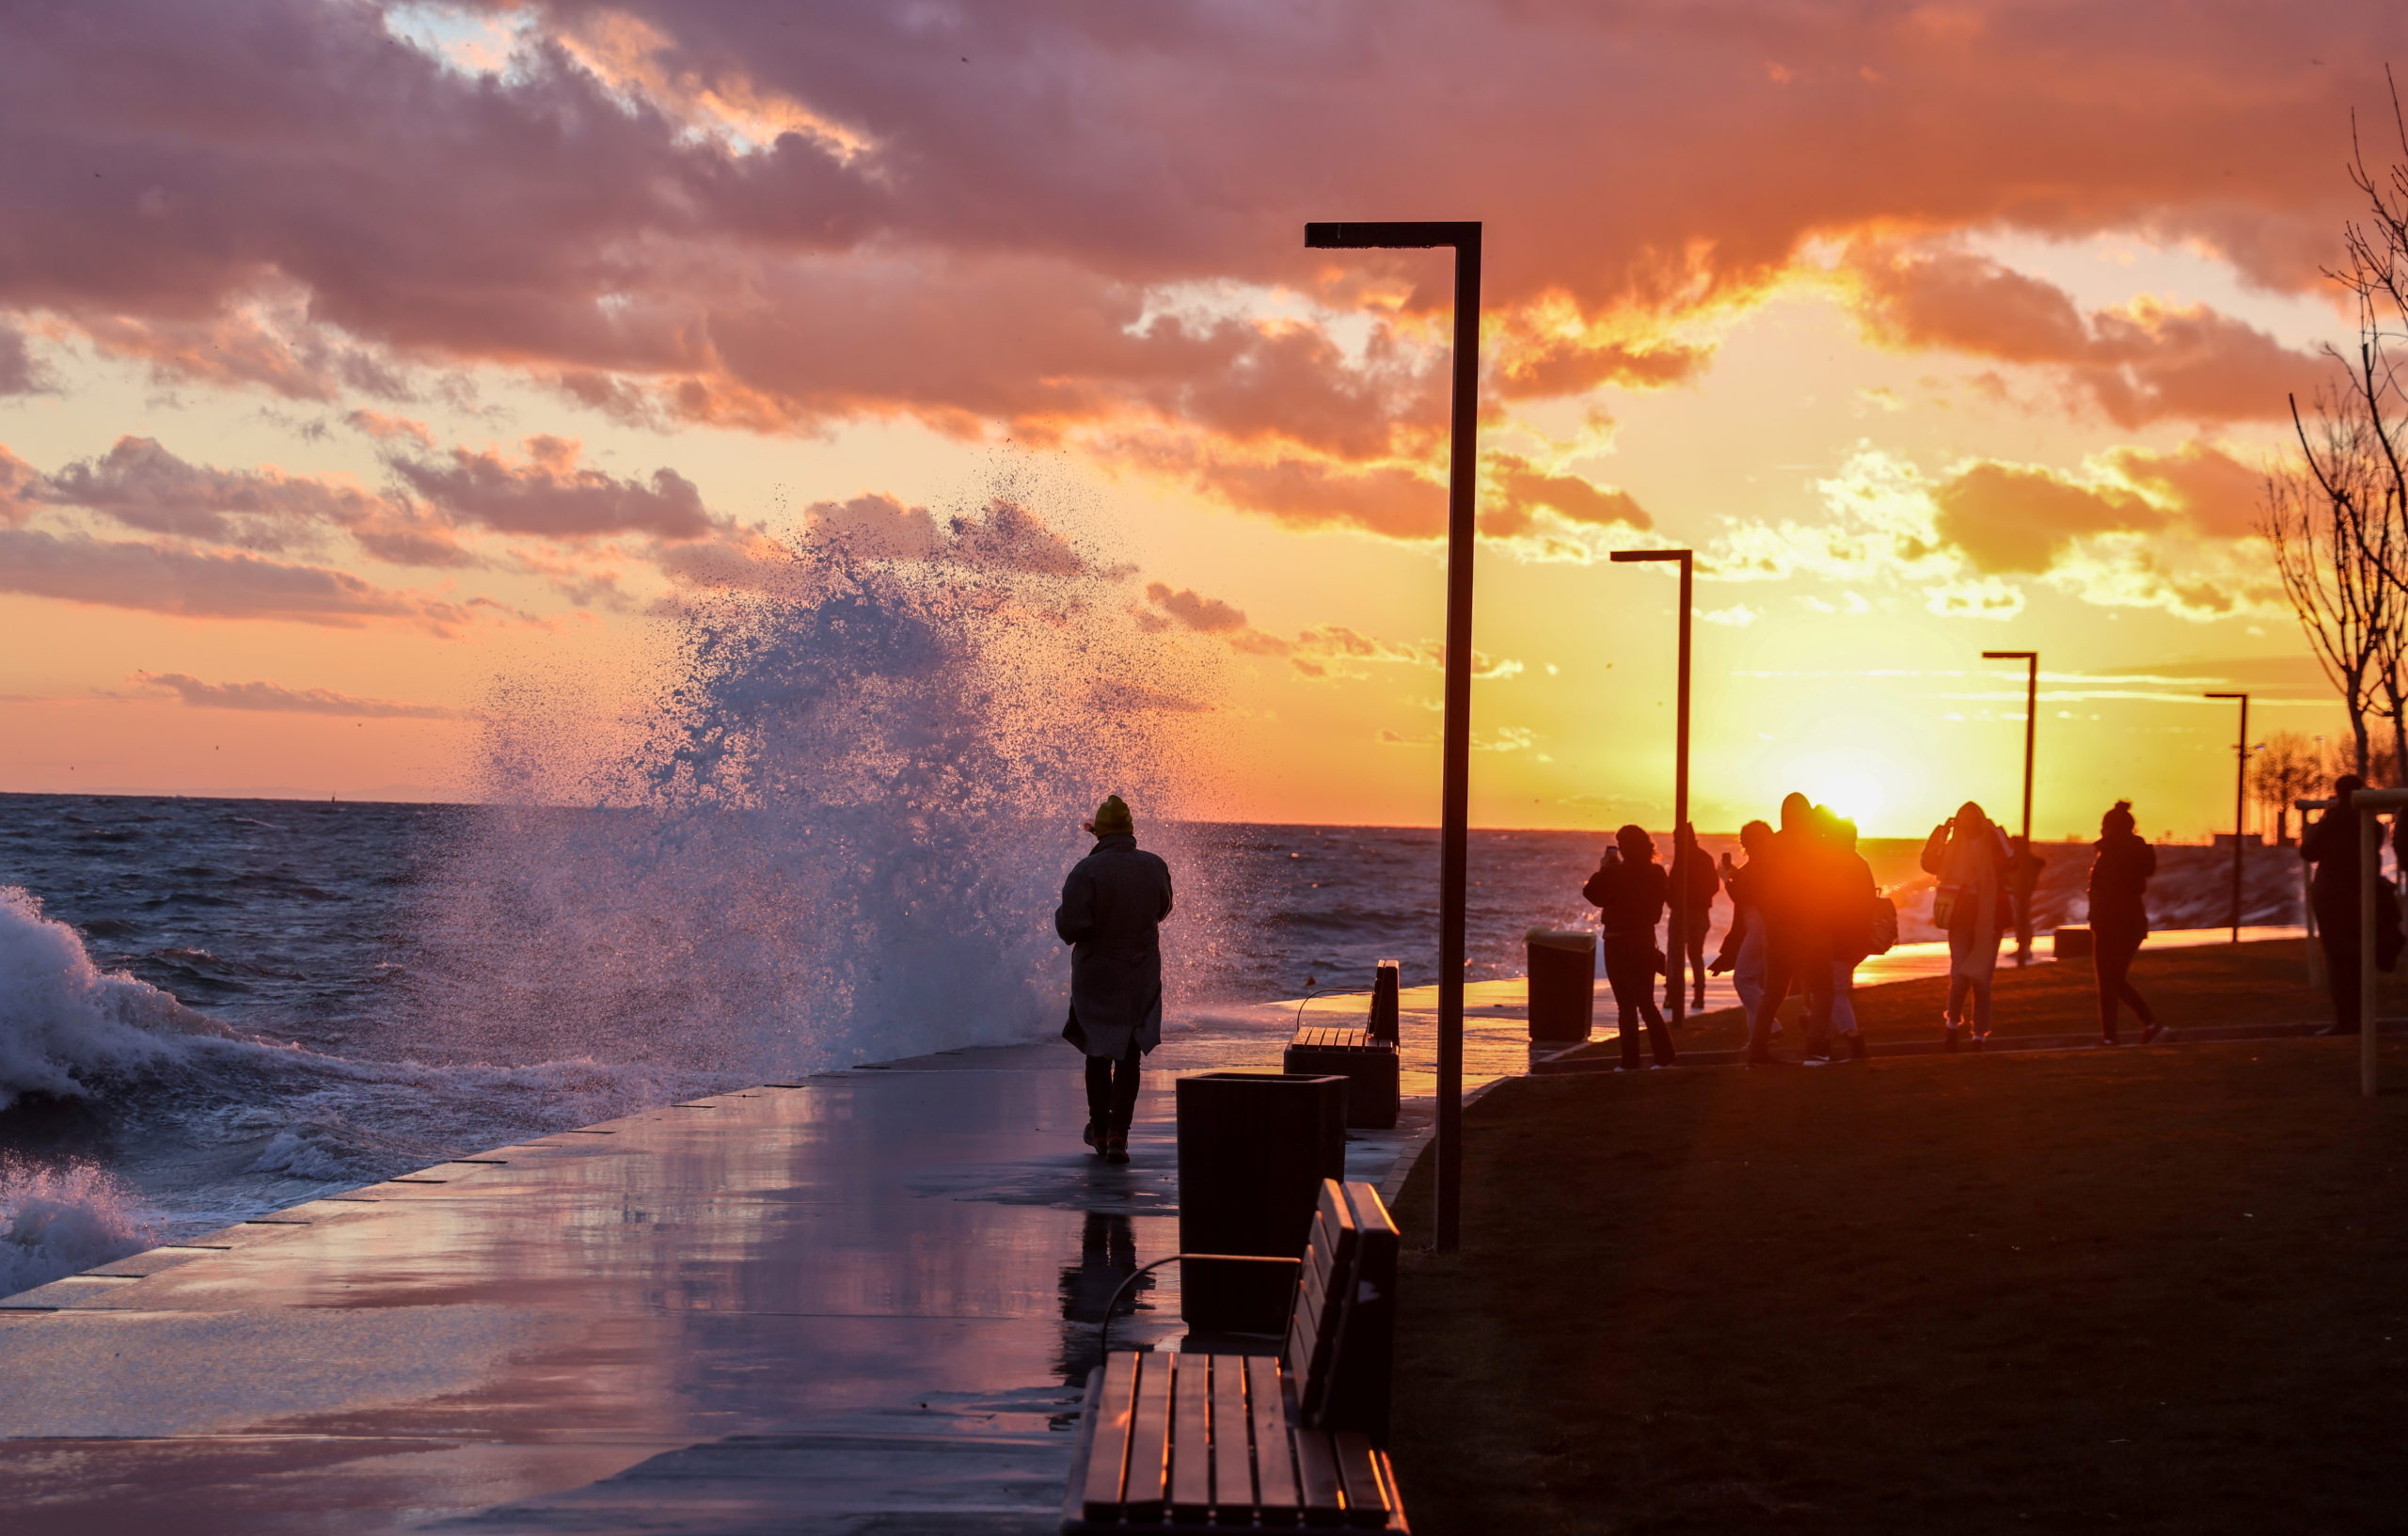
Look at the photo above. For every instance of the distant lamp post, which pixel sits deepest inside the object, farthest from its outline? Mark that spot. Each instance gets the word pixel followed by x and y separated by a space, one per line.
pixel 2031 723
pixel 1676 932
pixel 1454 790
pixel 2239 799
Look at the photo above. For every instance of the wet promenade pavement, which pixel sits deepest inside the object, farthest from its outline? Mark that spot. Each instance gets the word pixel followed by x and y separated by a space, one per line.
pixel 862 1302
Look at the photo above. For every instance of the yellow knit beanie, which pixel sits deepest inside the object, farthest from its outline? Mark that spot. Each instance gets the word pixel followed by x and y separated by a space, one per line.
pixel 1112 817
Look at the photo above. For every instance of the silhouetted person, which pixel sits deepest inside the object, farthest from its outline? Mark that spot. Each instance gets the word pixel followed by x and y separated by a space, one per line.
pixel 2332 847
pixel 1852 894
pixel 1112 905
pixel 1970 856
pixel 1743 943
pixel 2023 877
pixel 2119 873
pixel 1788 883
pixel 1696 917
pixel 1629 890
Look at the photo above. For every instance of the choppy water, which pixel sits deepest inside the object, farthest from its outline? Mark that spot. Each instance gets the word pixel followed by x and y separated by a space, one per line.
pixel 230 1005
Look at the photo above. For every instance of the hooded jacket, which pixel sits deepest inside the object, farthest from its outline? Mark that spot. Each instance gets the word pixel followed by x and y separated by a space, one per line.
pixel 1112 904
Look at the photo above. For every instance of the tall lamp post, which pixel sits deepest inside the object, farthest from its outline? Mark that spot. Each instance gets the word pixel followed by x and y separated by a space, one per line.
pixel 1676 933
pixel 2239 791
pixel 2031 723
pixel 1454 789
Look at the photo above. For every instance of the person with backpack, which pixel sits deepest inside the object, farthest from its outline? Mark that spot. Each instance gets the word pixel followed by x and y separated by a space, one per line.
pixel 2120 875
pixel 1971 856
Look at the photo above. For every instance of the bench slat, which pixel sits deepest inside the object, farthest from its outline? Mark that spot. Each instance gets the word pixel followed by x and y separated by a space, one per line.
pixel 1275 1458
pixel 1191 1437
pixel 1148 1439
pixel 1232 1467
pixel 1317 1472
pixel 1108 1457
pixel 1358 1471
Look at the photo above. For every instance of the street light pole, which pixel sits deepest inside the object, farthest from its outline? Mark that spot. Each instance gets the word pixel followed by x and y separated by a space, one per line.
pixel 2031 723
pixel 2239 791
pixel 1676 930
pixel 1454 787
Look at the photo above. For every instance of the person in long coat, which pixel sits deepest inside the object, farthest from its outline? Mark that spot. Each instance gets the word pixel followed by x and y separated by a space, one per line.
pixel 1971 856
pixel 1113 904
pixel 2120 875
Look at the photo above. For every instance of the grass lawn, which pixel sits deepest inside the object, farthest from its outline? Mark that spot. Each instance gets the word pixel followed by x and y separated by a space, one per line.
pixel 2162 1290
pixel 2265 982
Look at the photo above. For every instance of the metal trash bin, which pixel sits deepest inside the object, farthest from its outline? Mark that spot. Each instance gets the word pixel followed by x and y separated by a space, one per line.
pixel 1563 982
pixel 1253 1149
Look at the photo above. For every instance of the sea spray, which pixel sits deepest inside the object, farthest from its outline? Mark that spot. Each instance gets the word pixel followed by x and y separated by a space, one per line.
pixel 836 827
pixel 58 1218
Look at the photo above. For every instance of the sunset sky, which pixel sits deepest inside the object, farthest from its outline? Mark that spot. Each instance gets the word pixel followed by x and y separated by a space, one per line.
pixel 356 360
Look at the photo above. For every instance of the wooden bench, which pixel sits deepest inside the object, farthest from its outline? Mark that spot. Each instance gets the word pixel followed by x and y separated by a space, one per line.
pixel 1200 1441
pixel 1364 1054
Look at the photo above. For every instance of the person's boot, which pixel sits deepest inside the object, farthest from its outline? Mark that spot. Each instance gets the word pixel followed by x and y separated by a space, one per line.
pixel 2150 1029
pixel 1953 1031
pixel 1116 1147
pixel 1856 1050
pixel 1092 1136
pixel 2107 1037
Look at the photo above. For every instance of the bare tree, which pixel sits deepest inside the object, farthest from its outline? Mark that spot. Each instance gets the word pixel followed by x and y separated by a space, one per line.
pixel 2285 768
pixel 2336 568
pixel 2374 471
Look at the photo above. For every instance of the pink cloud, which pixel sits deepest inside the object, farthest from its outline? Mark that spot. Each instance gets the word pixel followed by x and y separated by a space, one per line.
pixel 276 698
pixel 549 494
pixel 2140 363
pixel 229 584
pixel 970 216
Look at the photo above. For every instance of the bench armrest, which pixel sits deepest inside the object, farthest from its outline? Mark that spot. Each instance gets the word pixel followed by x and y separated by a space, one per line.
pixel 1103 1337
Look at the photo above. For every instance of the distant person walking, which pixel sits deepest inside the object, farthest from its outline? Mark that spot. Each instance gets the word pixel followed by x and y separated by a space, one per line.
pixel 2119 874
pixel 2025 868
pixel 1629 890
pixel 1742 954
pixel 1788 884
pixel 1112 905
pixel 1971 858
pixel 1697 916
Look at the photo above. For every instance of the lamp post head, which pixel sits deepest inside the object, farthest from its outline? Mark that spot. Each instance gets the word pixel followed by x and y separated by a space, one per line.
pixel 1390 234
pixel 2010 656
pixel 1626 557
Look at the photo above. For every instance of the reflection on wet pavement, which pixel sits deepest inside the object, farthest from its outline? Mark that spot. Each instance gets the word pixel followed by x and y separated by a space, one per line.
pixel 870 1295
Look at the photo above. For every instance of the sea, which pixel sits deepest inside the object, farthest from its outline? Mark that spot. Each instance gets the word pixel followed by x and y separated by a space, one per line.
pixel 211 1008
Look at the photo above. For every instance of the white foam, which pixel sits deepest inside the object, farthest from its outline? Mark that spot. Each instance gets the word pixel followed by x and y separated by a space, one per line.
pixel 58 1219
pixel 64 1021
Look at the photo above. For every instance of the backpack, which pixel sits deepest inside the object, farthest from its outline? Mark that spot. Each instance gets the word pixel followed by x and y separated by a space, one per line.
pixel 1884 925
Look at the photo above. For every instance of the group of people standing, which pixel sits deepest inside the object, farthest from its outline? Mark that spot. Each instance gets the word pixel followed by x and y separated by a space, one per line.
pixel 1806 911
